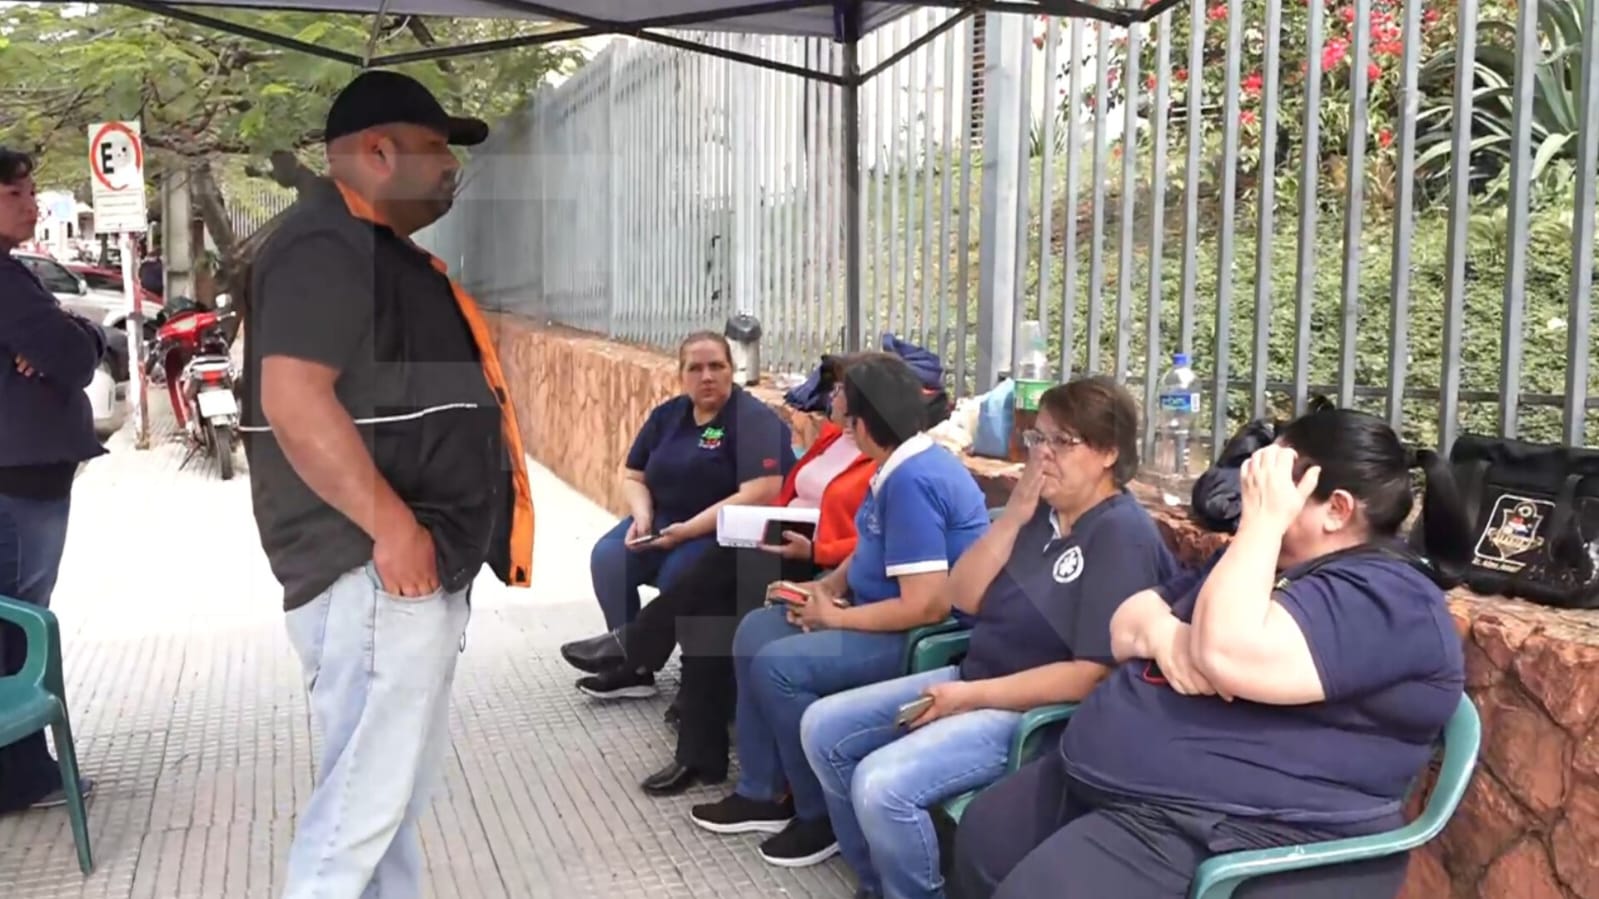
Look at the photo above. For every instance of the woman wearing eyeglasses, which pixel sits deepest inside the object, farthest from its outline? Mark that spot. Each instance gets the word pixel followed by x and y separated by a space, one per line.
pixel 1042 584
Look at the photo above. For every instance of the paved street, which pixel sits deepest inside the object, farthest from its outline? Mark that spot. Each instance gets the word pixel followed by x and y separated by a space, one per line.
pixel 190 716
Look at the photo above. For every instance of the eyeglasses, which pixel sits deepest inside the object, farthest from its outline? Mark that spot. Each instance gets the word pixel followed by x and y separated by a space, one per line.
pixel 1033 438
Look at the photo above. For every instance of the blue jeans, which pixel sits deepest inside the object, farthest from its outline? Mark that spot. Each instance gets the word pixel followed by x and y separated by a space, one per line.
pixel 781 670
pixel 618 572
pixel 33 535
pixel 379 671
pixel 880 779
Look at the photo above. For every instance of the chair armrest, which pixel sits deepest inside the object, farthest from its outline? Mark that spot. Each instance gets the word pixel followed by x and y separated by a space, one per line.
pixel 1218 877
pixel 939 650
pixel 43 635
pixel 1027 742
pixel 916 635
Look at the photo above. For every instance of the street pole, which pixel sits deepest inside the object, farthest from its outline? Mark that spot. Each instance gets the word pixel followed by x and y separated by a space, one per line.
pixel 138 397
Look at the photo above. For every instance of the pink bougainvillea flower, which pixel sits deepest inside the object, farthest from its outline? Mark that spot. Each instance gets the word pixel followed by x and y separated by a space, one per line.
pixel 1254 83
pixel 1218 12
pixel 1247 117
pixel 1347 14
pixel 1333 53
pixel 1181 75
pixel 1149 82
pixel 1430 17
pixel 1373 72
pixel 1385 138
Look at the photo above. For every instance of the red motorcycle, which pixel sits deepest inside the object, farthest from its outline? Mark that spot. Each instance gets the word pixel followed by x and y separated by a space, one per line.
pixel 191 356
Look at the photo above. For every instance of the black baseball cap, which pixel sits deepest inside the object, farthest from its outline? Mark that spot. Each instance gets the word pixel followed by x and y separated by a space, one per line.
pixel 380 97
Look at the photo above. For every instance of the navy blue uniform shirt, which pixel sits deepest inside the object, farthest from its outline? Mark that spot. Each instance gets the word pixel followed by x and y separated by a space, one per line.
pixel 1393 671
pixel 690 467
pixel 1053 600
pixel 46 423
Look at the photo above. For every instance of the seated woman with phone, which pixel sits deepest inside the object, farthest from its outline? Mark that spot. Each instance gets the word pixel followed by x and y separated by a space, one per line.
pixel 1042 585
pixel 702 608
pixel 846 629
pixel 1289 693
pixel 711 446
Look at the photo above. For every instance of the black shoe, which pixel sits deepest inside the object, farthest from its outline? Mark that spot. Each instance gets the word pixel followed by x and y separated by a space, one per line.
pixel 736 814
pixel 801 844
pixel 676 778
pixel 596 654
pixel 673 718
pixel 58 797
pixel 618 683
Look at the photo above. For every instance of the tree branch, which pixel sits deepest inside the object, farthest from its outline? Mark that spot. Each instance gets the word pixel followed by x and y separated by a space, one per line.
pixel 424 36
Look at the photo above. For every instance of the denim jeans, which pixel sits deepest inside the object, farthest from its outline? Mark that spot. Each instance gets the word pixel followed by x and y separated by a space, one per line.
pixel 379 671
pixel 618 572
pixel 880 779
pixel 33 534
pixel 780 671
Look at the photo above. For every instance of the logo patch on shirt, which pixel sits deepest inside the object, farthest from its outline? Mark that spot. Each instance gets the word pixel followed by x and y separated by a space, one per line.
pixel 769 464
pixel 711 438
pixel 1069 566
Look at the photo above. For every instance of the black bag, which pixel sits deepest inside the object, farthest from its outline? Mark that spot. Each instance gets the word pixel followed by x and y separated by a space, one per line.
pixel 1216 501
pixel 1535 511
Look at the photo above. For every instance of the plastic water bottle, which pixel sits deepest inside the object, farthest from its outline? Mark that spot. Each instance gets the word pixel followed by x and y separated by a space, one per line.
pixel 1033 360
pixel 1179 407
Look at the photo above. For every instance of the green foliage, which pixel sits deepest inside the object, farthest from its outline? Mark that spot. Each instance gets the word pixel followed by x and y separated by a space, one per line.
pixel 1555 93
pixel 200 93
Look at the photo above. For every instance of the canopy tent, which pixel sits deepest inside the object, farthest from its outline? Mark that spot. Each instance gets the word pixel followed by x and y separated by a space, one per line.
pixel 844 21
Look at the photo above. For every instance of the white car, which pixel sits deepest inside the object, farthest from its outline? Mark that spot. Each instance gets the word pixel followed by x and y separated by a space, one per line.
pixel 108 392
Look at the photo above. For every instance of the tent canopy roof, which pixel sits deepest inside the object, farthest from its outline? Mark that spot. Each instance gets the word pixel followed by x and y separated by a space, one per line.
pixel 841 20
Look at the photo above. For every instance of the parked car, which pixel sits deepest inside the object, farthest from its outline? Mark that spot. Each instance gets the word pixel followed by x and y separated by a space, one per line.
pixel 94 293
pixel 108 392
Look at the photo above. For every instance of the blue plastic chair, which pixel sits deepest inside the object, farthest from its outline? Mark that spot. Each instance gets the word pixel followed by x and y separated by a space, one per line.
pixel 35 698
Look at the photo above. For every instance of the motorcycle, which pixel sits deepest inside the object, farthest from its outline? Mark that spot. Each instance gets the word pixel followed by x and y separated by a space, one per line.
pixel 191 357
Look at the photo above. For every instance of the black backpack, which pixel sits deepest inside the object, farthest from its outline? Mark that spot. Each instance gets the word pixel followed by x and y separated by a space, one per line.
pixel 1535 511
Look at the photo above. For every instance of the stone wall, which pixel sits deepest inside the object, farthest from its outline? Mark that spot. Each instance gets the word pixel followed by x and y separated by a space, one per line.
pixel 1529 826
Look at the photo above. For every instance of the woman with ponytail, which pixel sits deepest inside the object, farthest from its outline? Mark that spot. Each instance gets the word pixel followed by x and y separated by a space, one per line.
pixel 1289 692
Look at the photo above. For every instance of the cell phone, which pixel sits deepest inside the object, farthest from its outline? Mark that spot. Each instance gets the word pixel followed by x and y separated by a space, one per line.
pixel 787 591
pixel 642 539
pixel 776 526
pixel 912 710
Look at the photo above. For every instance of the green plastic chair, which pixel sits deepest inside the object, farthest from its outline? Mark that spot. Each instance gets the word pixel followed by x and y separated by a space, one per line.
pixel 1218 877
pixel 35 698
pixel 923 654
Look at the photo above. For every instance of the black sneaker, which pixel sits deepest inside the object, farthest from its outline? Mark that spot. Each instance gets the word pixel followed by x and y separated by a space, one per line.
pixel 596 654
pixel 58 797
pixel 801 844
pixel 736 814
pixel 619 683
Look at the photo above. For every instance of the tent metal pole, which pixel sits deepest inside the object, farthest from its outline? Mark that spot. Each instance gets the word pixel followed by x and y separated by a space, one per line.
pixel 853 236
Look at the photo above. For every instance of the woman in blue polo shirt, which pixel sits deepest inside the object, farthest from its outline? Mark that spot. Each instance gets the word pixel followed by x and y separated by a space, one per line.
pixel 922 511
pixel 714 444
pixel 1043 584
pixel 1289 693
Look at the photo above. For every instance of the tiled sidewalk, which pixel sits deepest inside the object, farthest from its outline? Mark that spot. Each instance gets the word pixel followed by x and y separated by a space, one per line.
pixel 190 715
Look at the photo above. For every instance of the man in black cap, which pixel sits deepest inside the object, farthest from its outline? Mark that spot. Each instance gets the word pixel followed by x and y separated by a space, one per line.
pixel 386 470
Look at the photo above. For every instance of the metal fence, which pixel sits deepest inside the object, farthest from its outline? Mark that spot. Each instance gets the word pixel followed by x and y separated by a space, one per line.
pixel 1277 188
pixel 254 203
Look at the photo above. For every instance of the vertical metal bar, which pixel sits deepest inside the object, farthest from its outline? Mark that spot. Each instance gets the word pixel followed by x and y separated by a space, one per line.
pixel 1579 348
pixel 1024 143
pixel 1309 172
pixel 888 208
pixel 1229 216
pixel 616 162
pixel 1266 224
pixel 788 118
pixel 813 186
pixel 1404 219
pixel 1129 191
pixel 1096 243
pixel 1046 175
pixel 902 134
pixel 1074 143
pixel 1002 160
pixel 924 105
pixel 1191 171
pixel 1458 246
pixel 1354 206
pixel 891 140
pixel 963 229
pixel 869 195
pixel 1160 114
pixel 946 158
pixel 835 222
pixel 1528 52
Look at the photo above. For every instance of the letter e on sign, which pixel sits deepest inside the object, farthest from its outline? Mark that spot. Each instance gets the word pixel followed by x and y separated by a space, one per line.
pixel 116 169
